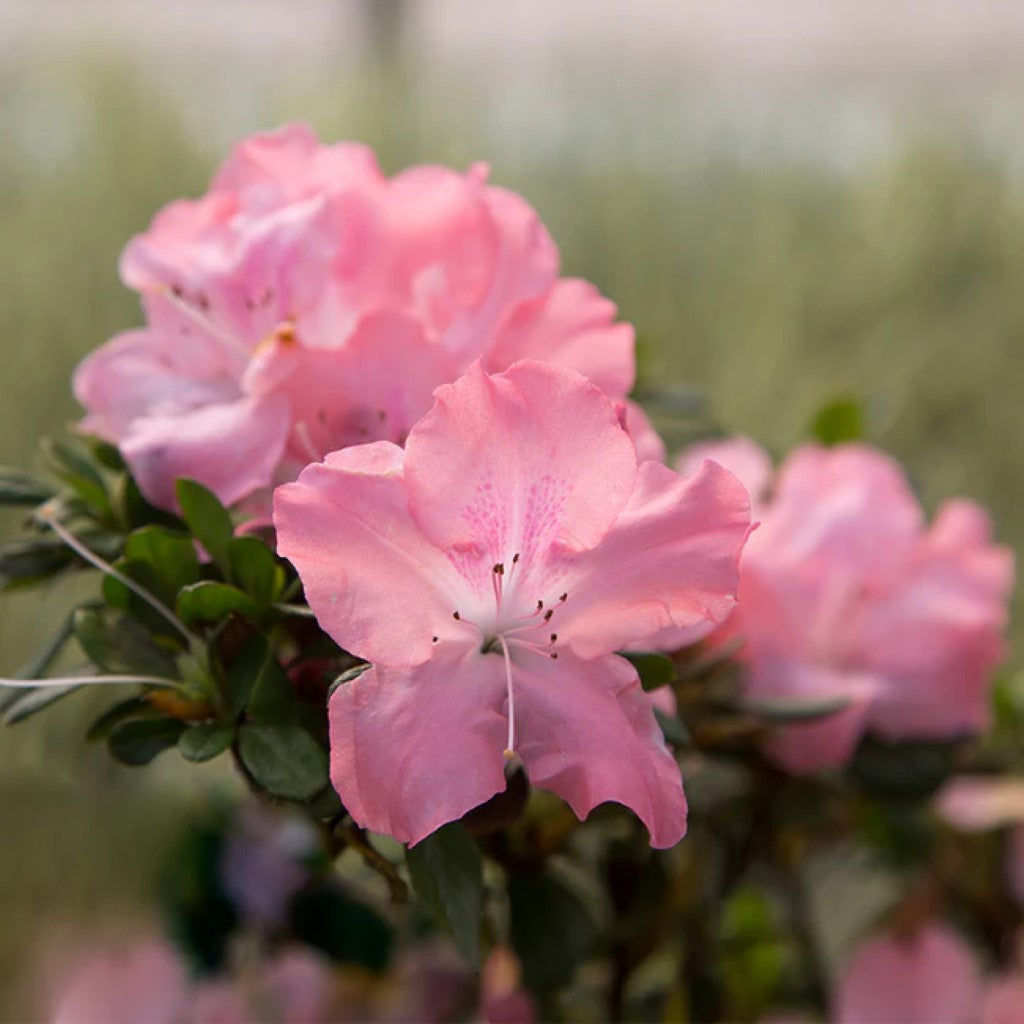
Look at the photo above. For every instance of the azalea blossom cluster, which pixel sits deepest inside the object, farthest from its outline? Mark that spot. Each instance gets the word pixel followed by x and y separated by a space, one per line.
pixel 376 515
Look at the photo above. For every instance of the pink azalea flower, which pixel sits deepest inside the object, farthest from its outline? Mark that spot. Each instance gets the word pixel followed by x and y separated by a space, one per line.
pixel 927 978
pixel 489 572
pixel 145 983
pixel 744 458
pixel 846 594
pixel 307 303
pixel 1003 1001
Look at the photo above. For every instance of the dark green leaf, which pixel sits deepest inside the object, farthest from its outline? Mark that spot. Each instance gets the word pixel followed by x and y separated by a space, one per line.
pixel 33 558
pixel 348 676
pixel 38 664
pixel 206 518
pixel 655 670
pixel 326 918
pixel 284 759
pixel 783 710
pixel 447 874
pixel 257 683
pixel 17 488
pixel 171 557
pixel 205 741
pixel 116 644
pixel 106 454
pixel 31 701
pixel 133 707
pixel 902 770
pixel 254 569
pixel 138 741
pixel 210 601
pixel 75 467
pixel 551 930
pixel 839 421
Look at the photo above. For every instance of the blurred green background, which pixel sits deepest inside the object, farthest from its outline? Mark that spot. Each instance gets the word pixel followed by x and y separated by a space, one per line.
pixel 787 207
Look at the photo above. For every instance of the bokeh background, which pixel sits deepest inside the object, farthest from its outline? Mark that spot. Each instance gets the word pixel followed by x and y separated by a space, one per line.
pixel 792 200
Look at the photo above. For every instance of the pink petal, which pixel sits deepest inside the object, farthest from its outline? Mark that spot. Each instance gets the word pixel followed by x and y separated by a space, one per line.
pixel 375 387
pixel 930 978
pixel 586 731
pixel 518 463
pixel 975 803
pixel 374 582
pixel 412 749
pixel 670 561
pixel 231 448
pixel 649 445
pixel 572 325
pixel 1003 1002
pixel 142 373
pixel 744 458
pixel 828 742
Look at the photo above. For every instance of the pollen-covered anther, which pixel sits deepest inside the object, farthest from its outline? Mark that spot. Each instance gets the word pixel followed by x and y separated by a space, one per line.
pixel 499 569
pixel 456 616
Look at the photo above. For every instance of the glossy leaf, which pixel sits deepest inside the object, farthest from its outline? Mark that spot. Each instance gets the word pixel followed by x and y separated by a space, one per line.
pixel 655 669
pixel 254 569
pixel 210 601
pixel 205 741
pixel 207 518
pixel 447 874
pixel 117 644
pixel 137 741
pixel 20 489
pixel 283 759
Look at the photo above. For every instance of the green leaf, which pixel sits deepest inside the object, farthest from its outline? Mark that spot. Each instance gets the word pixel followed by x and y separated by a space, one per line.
pixel 253 568
pixel 348 676
pixel 39 663
pixel 32 559
pixel 655 669
pixel 31 701
pixel 76 469
pixel 137 741
pixel 207 518
pixel 284 759
pixel 171 557
pixel 839 421
pixel 132 708
pixel 17 488
pixel 902 770
pixel 551 930
pixel 257 683
pixel 447 874
pixel 116 644
pixel 204 741
pixel 784 710
pixel 210 601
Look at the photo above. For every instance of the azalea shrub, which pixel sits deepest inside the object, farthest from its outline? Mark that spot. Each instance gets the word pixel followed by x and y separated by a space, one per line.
pixel 538 721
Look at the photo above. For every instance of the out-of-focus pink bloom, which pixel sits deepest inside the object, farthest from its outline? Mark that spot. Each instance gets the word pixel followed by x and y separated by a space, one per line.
pixel 974 804
pixel 307 303
pixel 846 594
pixel 927 978
pixel 744 458
pixel 145 983
pixel 488 572
pixel 261 862
pixel 1003 1000
pixel 503 1000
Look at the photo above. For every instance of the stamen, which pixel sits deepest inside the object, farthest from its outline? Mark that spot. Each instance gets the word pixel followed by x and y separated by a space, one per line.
pixel 510 749
pixel 433 639
pixel 554 637
pixel 548 614
pixel 32 684
pixel 456 616
pixel 563 598
pixel 45 515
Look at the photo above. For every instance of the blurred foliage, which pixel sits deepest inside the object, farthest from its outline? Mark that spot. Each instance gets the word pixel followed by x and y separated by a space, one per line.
pixel 769 285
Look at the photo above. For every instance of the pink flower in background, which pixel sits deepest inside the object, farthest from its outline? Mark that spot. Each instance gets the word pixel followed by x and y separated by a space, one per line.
pixel 307 303
pixel 144 983
pixel 928 978
pixel 744 458
pixel 489 572
pixel 977 804
pixel 846 594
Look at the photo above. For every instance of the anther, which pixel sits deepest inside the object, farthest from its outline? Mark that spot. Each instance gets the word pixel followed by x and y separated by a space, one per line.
pixel 563 597
pixel 515 558
pixel 540 604
pixel 456 616
pixel 499 569
pixel 433 639
pixel 554 657
pixel 548 614
pixel 554 637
